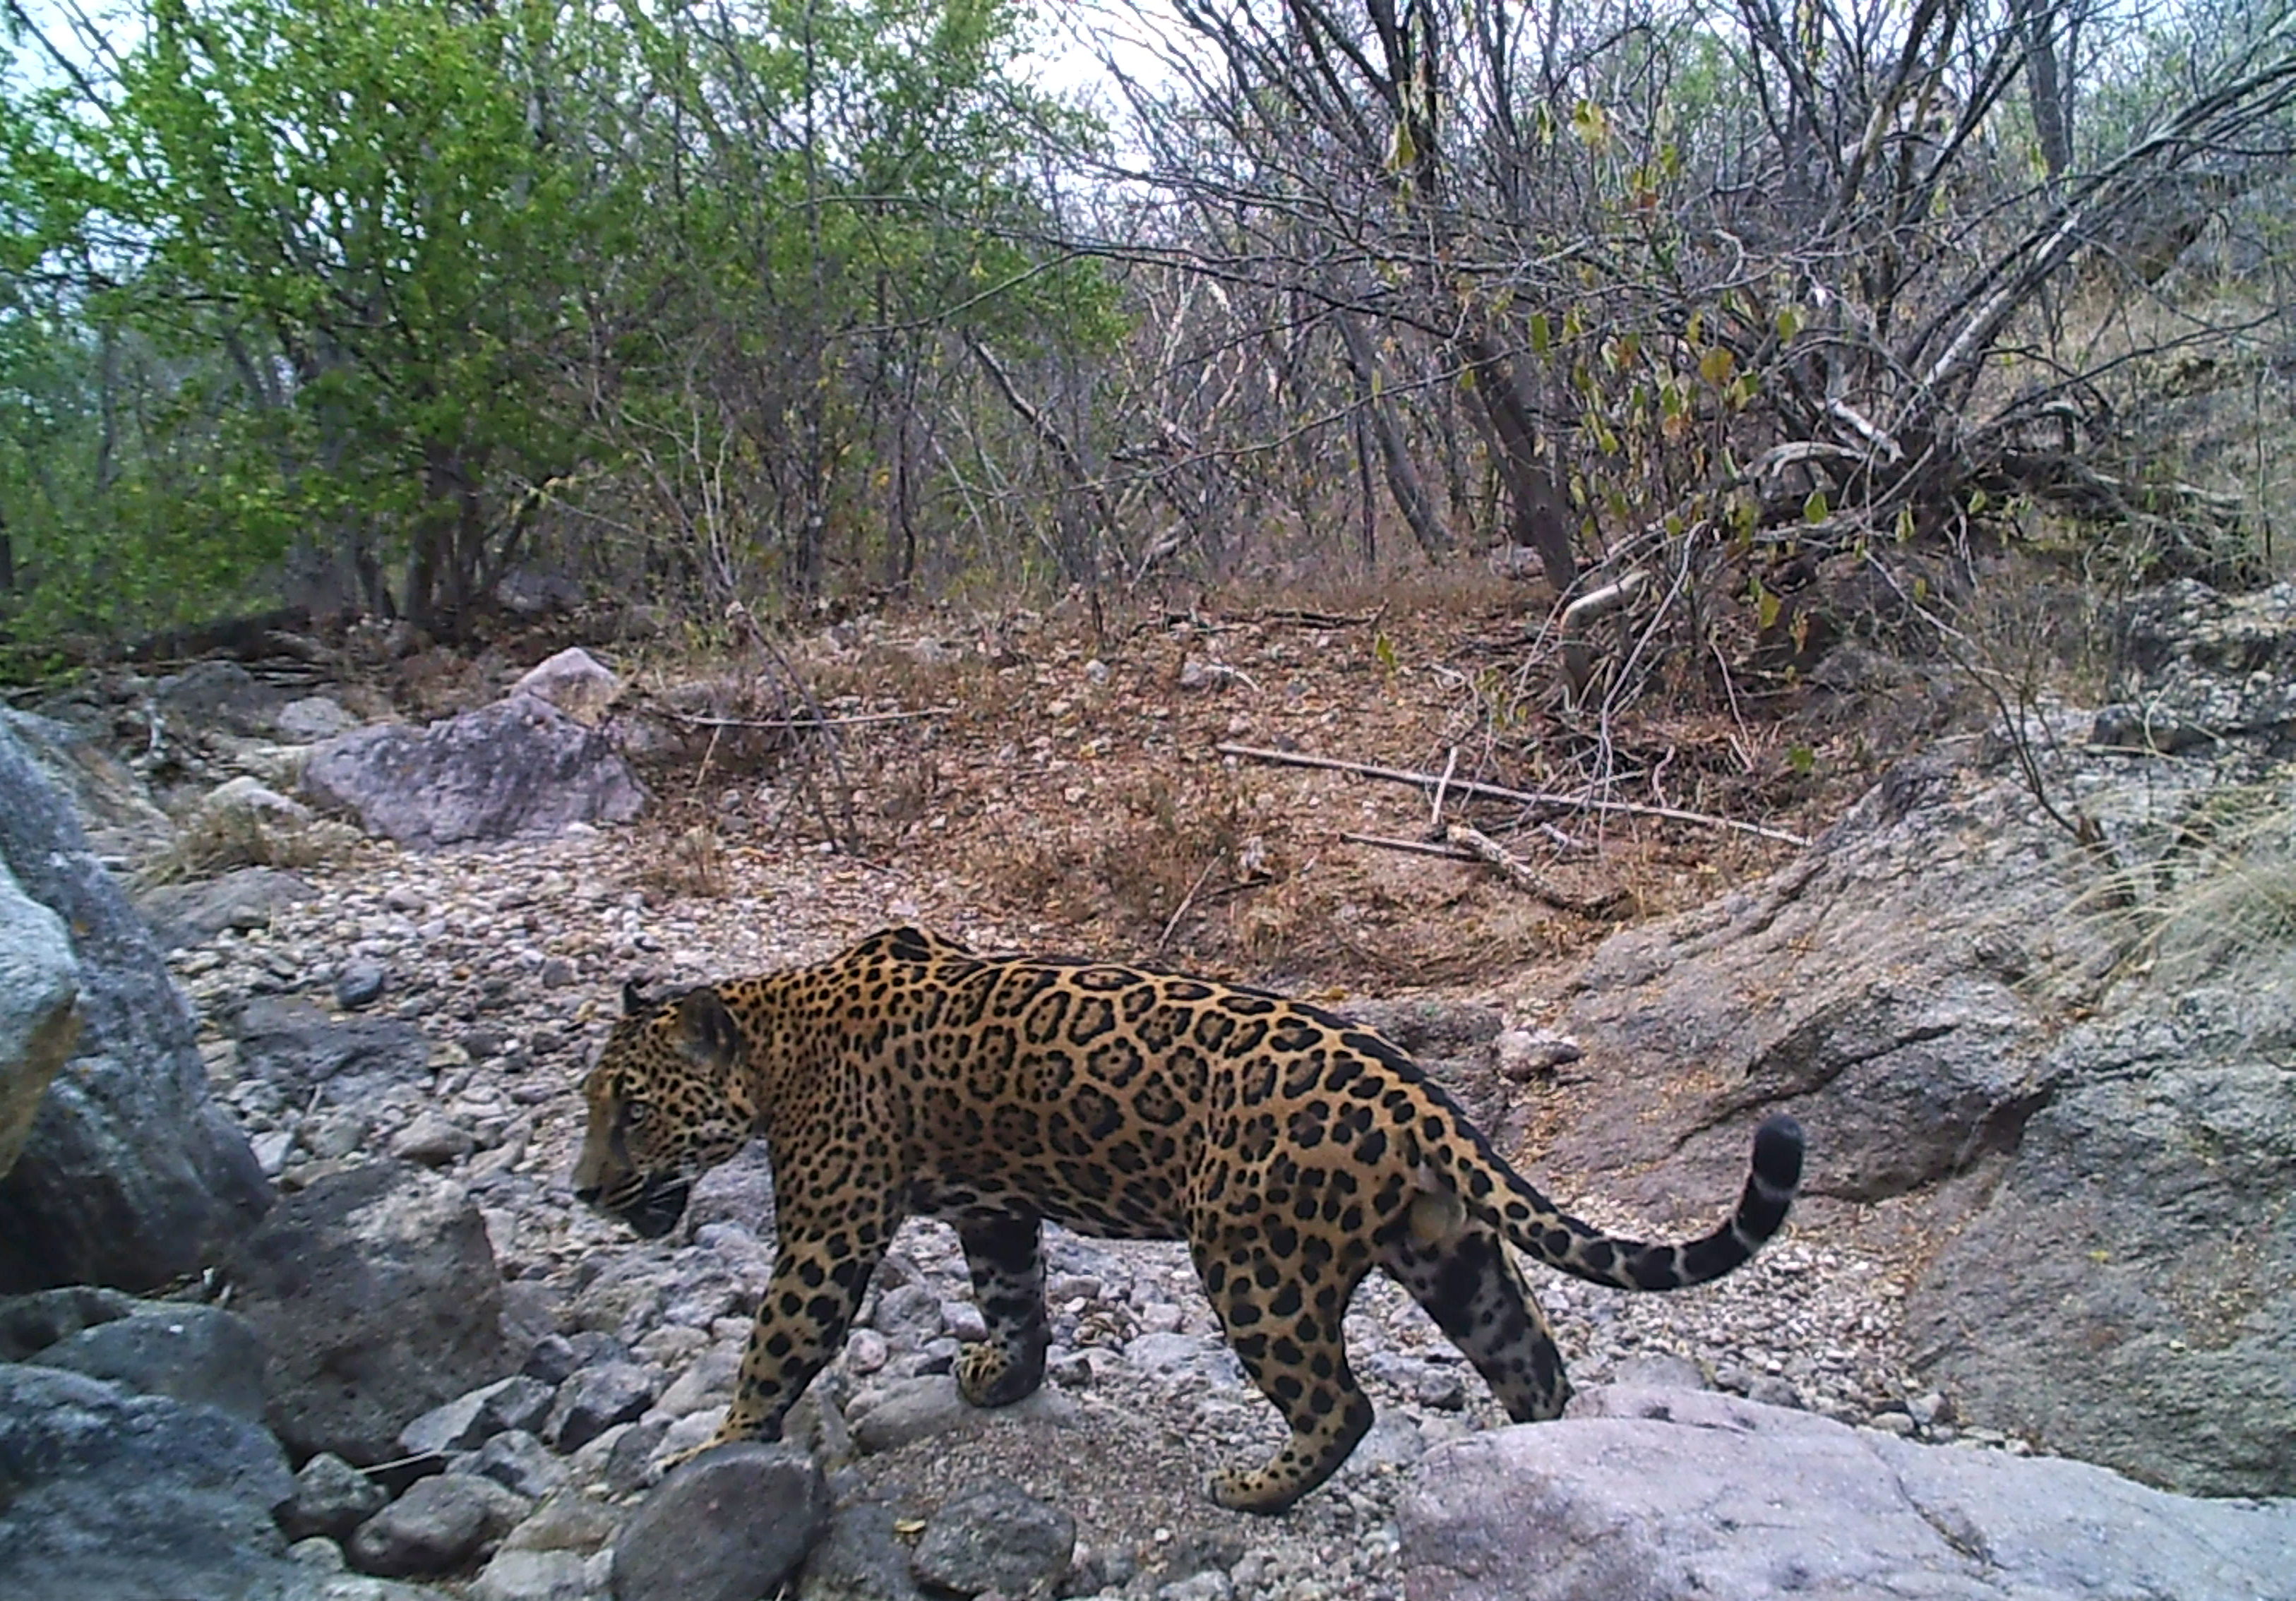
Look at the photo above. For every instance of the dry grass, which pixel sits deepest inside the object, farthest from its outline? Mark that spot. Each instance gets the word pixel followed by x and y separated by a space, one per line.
pixel 2220 904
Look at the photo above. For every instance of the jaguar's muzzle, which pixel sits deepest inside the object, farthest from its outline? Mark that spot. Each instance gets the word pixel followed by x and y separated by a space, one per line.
pixel 651 1209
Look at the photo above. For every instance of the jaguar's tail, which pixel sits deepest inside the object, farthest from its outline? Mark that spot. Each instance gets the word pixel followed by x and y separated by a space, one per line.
pixel 1503 1199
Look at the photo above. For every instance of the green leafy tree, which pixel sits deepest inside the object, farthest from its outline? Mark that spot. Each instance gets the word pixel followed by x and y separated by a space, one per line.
pixel 380 204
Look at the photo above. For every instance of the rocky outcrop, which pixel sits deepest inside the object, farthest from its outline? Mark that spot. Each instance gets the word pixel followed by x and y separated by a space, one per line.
pixel 183 914
pixel 519 768
pixel 2204 671
pixel 2128 1295
pixel 220 695
pixel 129 1173
pixel 376 1294
pixel 111 802
pixel 1678 1495
pixel 1951 991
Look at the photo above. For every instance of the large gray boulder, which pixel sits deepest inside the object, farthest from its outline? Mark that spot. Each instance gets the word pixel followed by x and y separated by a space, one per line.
pixel 185 914
pixel 220 695
pixel 377 1297
pixel 519 768
pixel 2009 1033
pixel 202 1356
pixel 1683 1495
pixel 39 983
pixel 105 1494
pixel 732 1524
pixel 130 1174
pixel 299 1049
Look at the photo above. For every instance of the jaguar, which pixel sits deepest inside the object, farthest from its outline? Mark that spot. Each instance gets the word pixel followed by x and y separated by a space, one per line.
pixel 1294 1151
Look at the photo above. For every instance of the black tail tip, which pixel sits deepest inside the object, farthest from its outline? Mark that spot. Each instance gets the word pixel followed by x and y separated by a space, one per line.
pixel 1778 1147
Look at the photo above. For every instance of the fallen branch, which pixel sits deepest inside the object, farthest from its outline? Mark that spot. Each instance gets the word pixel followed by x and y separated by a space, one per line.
pixel 1602 602
pixel 1297 618
pixel 1519 873
pixel 1520 797
pixel 696 719
pixel 1420 847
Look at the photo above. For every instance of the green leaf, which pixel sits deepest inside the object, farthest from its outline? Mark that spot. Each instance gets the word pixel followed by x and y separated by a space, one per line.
pixel 1815 509
pixel 1766 605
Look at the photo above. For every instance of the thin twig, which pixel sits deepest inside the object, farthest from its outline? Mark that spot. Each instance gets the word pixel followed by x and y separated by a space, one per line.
pixel 1523 797
pixel 1186 901
pixel 1558 839
pixel 1519 873
pixel 1450 766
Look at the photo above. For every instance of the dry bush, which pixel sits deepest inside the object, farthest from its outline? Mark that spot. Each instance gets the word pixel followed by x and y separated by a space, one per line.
pixel 1156 868
pixel 215 842
pixel 690 864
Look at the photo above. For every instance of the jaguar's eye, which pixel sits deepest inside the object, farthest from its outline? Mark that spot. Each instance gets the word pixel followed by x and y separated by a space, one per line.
pixel 635 1114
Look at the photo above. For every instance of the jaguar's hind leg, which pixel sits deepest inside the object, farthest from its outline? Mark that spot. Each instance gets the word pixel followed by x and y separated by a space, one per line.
pixel 1287 1334
pixel 1006 1255
pixel 1471 1288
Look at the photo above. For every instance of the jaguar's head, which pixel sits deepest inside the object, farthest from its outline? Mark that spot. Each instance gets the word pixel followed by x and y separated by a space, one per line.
pixel 667 1100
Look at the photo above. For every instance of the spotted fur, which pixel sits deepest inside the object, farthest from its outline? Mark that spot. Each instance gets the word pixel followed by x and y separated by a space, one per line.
pixel 1294 1151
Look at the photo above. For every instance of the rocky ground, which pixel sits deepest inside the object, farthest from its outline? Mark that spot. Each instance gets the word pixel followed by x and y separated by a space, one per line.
pixel 503 965
pixel 1911 984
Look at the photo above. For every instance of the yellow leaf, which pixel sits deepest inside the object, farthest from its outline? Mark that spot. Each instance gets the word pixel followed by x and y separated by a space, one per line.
pixel 1717 365
pixel 1401 152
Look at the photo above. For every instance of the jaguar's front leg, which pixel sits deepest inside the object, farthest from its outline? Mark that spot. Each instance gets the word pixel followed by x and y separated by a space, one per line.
pixel 818 1280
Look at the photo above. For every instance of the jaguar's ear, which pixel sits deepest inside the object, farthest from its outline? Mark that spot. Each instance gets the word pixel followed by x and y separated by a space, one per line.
pixel 707 1030
pixel 634 1003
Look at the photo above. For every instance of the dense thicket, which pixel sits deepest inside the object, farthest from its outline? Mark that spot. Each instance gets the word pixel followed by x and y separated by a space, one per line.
pixel 373 304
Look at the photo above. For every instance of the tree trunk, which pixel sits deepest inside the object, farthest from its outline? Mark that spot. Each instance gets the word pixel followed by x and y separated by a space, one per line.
pixel 2051 97
pixel 1403 480
pixel 1538 518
